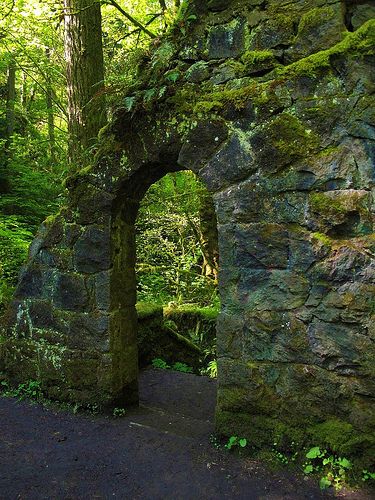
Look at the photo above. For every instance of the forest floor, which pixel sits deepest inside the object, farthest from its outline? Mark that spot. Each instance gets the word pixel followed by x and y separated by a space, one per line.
pixel 161 450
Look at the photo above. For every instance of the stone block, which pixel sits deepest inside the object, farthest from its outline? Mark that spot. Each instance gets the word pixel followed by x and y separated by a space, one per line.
pixel 362 13
pixel 337 346
pixel 232 163
pixel 227 40
pixel 201 143
pixel 198 72
pixel 71 293
pixel 30 282
pixel 319 29
pixel 341 213
pixel 277 337
pixel 92 250
pixel 93 205
pixel 102 290
pixel 261 246
pixel 275 290
pixel 273 32
pixel 230 335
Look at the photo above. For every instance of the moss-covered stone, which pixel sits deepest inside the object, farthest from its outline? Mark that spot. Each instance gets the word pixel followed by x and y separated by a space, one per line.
pixel 269 103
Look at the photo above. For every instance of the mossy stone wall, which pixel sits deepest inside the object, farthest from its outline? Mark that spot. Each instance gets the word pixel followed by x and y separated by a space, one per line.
pixel 269 103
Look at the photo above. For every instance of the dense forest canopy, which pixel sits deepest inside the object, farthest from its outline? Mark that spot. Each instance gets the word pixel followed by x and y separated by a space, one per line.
pixel 38 106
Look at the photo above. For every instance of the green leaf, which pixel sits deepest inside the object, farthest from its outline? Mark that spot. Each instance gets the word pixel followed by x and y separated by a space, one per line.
pixel 243 442
pixel 324 483
pixel 129 103
pixel 344 462
pixel 308 469
pixel 172 76
pixel 313 452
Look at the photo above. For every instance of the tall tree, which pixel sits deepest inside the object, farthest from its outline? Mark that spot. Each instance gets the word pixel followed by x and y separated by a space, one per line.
pixel 10 120
pixel 50 113
pixel 11 97
pixel 85 75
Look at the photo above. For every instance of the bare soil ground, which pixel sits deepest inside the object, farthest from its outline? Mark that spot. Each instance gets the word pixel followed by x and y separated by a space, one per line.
pixel 161 450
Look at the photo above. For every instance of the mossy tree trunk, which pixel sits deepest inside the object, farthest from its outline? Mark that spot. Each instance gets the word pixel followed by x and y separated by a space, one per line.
pixel 209 237
pixel 10 124
pixel 85 76
pixel 50 115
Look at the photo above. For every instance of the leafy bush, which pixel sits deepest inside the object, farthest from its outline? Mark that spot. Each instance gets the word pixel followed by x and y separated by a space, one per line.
pixel 169 253
pixel 15 238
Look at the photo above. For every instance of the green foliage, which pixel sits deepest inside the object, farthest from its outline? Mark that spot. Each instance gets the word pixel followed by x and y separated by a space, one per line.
pixel 160 363
pixel 235 441
pixel 27 390
pixel 119 412
pixel 15 238
pixel 368 476
pixel 35 189
pixel 211 369
pixel 182 367
pixel 169 254
pixel 332 469
pixel 178 366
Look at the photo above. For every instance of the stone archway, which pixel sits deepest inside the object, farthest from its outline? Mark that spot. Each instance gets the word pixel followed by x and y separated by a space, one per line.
pixel 287 152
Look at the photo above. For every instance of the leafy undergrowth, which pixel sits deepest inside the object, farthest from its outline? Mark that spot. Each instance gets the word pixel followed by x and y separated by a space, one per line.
pixel 327 468
pixel 210 370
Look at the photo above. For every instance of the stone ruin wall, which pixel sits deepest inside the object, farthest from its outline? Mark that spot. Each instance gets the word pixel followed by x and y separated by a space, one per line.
pixel 269 102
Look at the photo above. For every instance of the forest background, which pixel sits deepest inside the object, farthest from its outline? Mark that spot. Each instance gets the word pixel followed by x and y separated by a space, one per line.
pixel 177 254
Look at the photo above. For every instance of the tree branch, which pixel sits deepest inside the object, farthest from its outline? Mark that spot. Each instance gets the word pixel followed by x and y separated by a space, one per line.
pixel 131 18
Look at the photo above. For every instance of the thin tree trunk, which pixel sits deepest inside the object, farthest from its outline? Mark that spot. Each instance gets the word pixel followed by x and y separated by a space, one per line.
pixel 24 91
pixel 209 237
pixel 11 98
pixel 10 125
pixel 85 77
pixel 50 116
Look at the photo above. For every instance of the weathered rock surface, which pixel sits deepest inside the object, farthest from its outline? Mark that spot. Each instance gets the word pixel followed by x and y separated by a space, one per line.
pixel 274 114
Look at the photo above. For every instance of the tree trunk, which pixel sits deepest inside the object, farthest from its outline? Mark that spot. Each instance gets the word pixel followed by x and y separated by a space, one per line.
pixel 85 77
pixel 10 124
pixel 11 97
pixel 24 91
pixel 50 116
pixel 209 237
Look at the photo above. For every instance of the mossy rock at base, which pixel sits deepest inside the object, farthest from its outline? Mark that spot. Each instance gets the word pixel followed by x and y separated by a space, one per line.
pixel 191 320
pixel 158 338
pixel 335 435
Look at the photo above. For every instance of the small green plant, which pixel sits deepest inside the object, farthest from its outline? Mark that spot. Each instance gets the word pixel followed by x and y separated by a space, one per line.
pixel 333 468
pixel 234 441
pixel 28 390
pixel 182 367
pixel 284 458
pixel 178 366
pixel 119 412
pixel 160 363
pixel 215 441
pixel 211 369
pixel 368 476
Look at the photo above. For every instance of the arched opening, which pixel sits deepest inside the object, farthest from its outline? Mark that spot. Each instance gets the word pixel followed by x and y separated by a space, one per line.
pixel 177 298
pixel 173 324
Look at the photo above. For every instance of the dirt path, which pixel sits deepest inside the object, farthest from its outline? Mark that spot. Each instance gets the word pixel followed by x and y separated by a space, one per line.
pixel 159 451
